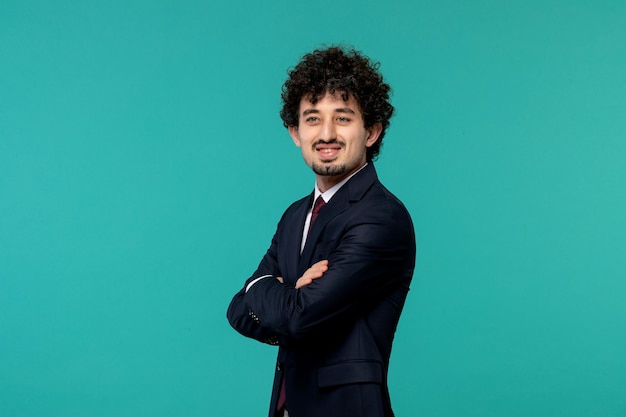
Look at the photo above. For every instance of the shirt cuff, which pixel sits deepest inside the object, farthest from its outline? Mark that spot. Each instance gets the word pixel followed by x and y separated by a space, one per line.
pixel 256 280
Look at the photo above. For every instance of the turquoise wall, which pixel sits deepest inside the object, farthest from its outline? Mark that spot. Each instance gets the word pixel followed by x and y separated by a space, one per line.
pixel 143 168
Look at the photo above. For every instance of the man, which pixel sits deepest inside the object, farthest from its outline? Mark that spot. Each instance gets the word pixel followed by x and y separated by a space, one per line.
pixel 331 287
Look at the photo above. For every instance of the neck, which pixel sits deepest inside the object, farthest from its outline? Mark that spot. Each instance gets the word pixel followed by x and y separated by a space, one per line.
pixel 326 182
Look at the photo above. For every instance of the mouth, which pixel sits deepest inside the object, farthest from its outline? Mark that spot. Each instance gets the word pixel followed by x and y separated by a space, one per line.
pixel 327 151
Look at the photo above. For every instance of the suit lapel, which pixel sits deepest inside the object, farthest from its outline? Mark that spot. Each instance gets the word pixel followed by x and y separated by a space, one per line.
pixel 351 192
pixel 293 239
pixel 337 205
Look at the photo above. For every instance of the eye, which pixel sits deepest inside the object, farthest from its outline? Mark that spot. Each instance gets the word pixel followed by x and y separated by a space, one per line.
pixel 343 119
pixel 312 119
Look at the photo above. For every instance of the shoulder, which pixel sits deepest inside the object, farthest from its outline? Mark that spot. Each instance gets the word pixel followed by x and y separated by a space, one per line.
pixel 295 212
pixel 381 200
pixel 298 205
pixel 380 216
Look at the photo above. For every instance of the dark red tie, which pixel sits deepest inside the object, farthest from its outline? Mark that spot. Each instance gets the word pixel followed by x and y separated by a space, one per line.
pixel 319 203
pixel 281 396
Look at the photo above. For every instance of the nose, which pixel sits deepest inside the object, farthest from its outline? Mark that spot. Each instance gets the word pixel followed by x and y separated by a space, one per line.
pixel 328 130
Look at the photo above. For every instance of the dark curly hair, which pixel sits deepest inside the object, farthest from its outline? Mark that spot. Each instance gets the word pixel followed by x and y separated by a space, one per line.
pixel 346 71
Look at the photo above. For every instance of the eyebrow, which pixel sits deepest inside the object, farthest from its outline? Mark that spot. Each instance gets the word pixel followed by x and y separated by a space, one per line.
pixel 337 110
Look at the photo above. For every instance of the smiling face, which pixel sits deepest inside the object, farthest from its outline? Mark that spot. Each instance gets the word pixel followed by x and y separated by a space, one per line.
pixel 332 137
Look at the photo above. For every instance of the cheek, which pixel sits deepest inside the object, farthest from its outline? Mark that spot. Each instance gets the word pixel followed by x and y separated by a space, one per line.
pixel 306 152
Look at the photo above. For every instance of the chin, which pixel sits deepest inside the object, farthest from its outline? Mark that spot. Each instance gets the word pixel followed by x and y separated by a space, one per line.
pixel 328 170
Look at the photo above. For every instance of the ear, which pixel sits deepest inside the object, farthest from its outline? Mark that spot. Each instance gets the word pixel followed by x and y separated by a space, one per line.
pixel 372 134
pixel 295 135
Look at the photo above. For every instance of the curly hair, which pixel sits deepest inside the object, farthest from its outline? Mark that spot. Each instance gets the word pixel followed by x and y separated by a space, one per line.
pixel 348 72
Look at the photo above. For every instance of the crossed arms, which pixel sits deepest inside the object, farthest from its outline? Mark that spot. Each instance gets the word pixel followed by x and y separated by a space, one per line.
pixel 369 259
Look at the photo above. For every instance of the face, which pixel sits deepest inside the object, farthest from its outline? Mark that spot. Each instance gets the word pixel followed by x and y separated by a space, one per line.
pixel 333 138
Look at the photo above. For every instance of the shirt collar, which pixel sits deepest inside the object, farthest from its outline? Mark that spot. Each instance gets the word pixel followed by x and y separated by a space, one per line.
pixel 328 194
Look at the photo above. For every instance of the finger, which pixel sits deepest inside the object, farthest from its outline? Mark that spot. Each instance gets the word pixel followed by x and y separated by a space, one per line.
pixel 322 263
pixel 321 266
pixel 313 272
pixel 303 282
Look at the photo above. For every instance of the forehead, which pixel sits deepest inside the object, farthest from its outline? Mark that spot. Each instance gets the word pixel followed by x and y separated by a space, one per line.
pixel 330 101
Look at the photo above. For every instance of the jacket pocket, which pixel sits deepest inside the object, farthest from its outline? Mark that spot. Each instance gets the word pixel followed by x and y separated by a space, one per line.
pixel 350 373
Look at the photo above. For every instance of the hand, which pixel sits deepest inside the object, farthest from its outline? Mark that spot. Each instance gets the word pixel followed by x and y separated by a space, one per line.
pixel 314 272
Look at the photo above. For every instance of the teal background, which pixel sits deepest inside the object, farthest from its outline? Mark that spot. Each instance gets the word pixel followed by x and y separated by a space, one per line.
pixel 143 168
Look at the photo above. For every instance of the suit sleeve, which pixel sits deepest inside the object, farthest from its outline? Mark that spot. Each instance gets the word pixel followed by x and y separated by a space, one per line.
pixel 240 316
pixel 374 255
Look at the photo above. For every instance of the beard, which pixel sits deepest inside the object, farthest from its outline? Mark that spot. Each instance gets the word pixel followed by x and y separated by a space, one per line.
pixel 329 170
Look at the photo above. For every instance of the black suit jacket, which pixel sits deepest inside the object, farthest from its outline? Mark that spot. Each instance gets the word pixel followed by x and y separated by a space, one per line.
pixel 334 335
